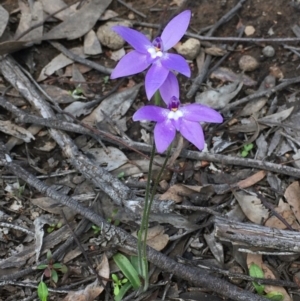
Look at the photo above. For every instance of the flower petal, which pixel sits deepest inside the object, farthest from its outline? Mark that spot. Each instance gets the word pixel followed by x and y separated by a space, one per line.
pixel 192 131
pixel 132 63
pixel 150 113
pixel 155 77
pixel 175 29
pixel 197 112
pixel 176 62
pixel 136 39
pixel 169 88
pixel 164 134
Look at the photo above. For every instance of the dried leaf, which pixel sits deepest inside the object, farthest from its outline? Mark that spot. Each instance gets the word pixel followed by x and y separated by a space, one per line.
pixel 53 6
pixel 292 195
pixel 277 117
pixel 225 74
pixel 39 223
pixel 108 14
pixel 9 128
pixel 57 94
pixel 80 23
pixel 12 46
pixel 219 98
pixel 91 44
pixel 252 207
pixel 93 290
pixel 30 16
pixel 250 181
pixel 111 160
pixel 215 247
pixel 215 51
pixel 114 106
pixel 156 238
pixel 286 212
pixel 4 16
pixel 59 62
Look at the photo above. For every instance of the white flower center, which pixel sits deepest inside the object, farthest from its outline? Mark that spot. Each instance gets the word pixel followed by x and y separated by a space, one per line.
pixel 175 114
pixel 154 52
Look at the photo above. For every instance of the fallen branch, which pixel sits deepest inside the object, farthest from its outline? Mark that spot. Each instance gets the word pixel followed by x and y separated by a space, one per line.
pixel 124 240
pixel 142 147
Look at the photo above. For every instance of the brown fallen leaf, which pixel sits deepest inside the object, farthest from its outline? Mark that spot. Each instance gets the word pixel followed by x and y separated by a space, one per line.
pixel 257 259
pixel 252 207
pixel 292 195
pixel 94 289
pixel 250 181
pixel 79 23
pixel 156 238
pixel 286 212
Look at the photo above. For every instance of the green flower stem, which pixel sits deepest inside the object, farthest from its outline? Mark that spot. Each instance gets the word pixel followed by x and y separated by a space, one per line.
pixel 142 234
pixel 157 99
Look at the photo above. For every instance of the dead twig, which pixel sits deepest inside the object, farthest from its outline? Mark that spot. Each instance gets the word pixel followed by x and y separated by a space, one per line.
pixel 123 239
pixel 79 59
pixel 203 72
pixel 267 92
pixel 132 8
pixel 142 147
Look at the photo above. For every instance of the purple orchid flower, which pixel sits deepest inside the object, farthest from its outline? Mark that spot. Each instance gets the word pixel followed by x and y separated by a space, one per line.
pixel 154 53
pixel 177 117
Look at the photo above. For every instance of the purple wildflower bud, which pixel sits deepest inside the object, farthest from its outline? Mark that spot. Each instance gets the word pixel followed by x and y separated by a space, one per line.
pixel 155 54
pixel 177 117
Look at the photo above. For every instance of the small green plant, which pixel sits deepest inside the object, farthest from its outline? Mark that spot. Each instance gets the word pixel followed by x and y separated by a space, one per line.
pixel 77 93
pixel 121 175
pixel 246 149
pixel 43 291
pixel 105 79
pixel 118 283
pixel 111 220
pixel 131 277
pixel 51 268
pixel 257 272
pixel 54 227
pixel 96 229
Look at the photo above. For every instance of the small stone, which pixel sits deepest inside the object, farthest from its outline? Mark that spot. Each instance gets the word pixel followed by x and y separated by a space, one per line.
pixel 248 63
pixel 131 16
pixel 91 44
pixel 108 37
pixel 189 49
pixel 268 51
pixel 249 30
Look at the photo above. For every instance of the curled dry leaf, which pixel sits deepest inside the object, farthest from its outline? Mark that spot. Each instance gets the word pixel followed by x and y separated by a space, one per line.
pixel 215 51
pixel 53 6
pixel 277 117
pixel 59 62
pixel 225 74
pixel 114 106
pixel 93 290
pixel 30 16
pixel 292 195
pixel 250 181
pixel 156 238
pixel 80 23
pixel 219 98
pixel 9 128
pixel 39 223
pixel 257 259
pixel 215 247
pixel 286 212
pixel 110 160
pixel 4 16
pixel 252 207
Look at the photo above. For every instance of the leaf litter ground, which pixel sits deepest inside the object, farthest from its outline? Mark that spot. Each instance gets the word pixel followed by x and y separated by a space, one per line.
pixel 222 210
